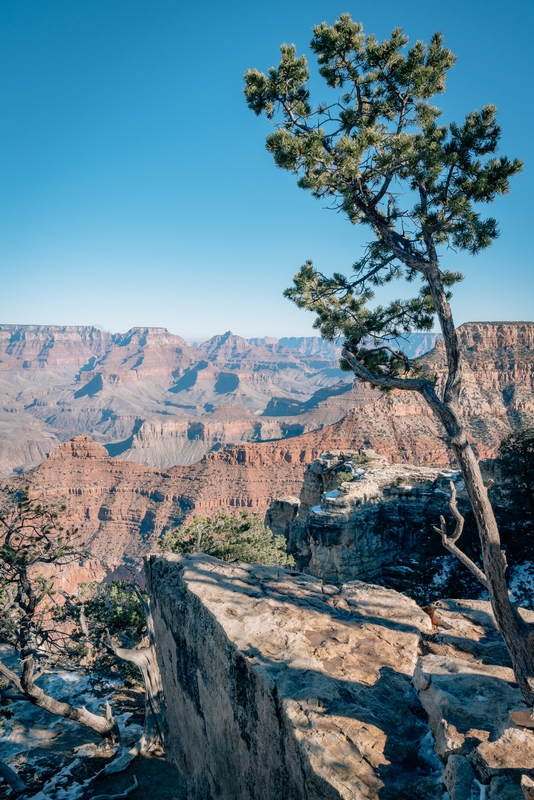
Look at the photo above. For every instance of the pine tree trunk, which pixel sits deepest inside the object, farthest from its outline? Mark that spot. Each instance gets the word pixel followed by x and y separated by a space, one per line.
pixel 517 634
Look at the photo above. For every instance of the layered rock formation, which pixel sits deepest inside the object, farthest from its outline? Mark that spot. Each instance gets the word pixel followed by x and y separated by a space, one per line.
pixel 280 687
pixel 143 391
pixel 367 527
pixel 154 399
pixel 497 396
pixel 121 508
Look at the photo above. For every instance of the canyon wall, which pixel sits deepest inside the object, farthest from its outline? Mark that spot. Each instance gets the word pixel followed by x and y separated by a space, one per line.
pixel 122 507
pixel 152 398
pixel 143 392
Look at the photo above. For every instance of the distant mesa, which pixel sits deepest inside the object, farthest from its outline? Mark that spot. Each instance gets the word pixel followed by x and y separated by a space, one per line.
pixel 142 394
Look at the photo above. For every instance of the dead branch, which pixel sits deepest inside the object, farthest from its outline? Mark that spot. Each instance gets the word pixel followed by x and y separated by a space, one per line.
pixel 449 540
pixel 122 760
pixel 148 613
pixel 126 792
pixel 146 661
pixel 11 676
pixel 11 777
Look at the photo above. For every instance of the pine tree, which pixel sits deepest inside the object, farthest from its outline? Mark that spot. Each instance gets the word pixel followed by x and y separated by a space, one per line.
pixel 377 153
pixel 242 537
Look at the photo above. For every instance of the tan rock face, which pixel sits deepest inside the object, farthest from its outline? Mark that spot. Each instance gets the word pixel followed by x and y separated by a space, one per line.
pixel 278 686
pixel 303 688
pixel 121 508
pixel 468 691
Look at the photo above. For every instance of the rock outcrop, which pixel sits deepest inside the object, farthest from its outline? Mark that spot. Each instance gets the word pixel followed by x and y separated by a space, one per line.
pixel 469 693
pixel 280 687
pixel 367 526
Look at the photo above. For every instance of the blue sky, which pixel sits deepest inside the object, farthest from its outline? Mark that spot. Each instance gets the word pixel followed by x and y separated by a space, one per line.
pixel 135 188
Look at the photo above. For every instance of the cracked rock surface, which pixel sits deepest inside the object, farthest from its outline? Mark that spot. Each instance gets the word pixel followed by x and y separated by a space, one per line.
pixel 468 690
pixel 279 686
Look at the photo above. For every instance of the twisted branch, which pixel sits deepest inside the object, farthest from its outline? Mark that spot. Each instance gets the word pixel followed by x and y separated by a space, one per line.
pixel 449 540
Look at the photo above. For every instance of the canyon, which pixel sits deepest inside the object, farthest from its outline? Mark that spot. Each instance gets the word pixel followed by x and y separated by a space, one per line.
pixel 121 507
pixel 310 683
pixel 153 398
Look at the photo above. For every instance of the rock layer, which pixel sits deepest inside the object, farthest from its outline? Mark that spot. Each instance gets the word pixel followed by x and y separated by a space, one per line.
pixel 155 399
pixel 144 391
pixel 369 526
pixel 121 508
pixel 280 686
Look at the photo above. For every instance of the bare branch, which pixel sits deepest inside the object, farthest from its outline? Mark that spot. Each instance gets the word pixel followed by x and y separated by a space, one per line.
pixel 449 541
pixel 126 792
pixel 11 777
pixel 11 676
pixel 387 381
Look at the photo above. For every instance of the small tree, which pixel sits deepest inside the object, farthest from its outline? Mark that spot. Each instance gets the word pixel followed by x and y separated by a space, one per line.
pixel 378 154
pixel 517 466
pixel 116 620
pixel 31 537
pixel 231 538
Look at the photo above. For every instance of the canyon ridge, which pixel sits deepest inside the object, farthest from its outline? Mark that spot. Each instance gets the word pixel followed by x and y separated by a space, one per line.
pixel 121 507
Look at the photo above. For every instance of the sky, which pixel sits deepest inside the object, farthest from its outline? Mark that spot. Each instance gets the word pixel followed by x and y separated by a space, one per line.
pixel 135 188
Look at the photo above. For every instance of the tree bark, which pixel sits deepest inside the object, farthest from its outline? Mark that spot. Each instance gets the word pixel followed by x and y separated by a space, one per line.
pixel 517 634
pixel 11 777
pixel 145 659
pixel 105 725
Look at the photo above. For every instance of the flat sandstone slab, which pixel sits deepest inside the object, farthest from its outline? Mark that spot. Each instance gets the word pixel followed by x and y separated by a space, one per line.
pixel 280 687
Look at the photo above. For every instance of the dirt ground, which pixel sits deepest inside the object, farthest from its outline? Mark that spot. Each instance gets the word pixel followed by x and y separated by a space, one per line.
pixel 158 780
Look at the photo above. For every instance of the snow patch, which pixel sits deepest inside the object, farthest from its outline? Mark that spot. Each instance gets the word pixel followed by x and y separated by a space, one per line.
pixel 444 572
pixel 521 583
pixel 427 753
pixel 481 789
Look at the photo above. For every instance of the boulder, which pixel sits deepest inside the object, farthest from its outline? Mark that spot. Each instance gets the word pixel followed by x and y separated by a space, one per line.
pixel 471 697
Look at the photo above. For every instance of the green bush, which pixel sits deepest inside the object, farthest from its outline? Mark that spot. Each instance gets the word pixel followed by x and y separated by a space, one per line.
pixel 243 537
pixel 344 477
